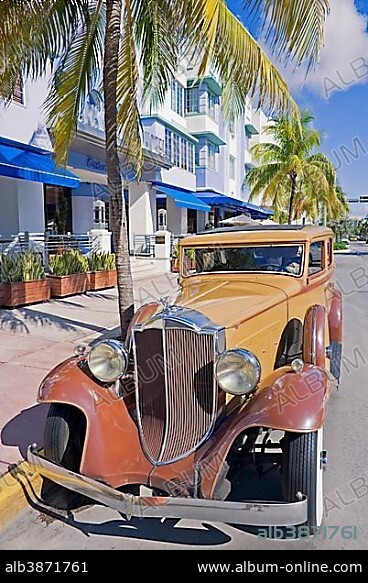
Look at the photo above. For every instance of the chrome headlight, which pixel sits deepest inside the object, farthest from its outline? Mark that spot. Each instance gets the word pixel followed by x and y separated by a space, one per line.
pixel 108 360
pixel 237 371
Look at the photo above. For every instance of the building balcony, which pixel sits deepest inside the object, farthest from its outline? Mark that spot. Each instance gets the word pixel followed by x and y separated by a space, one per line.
pixel 204 124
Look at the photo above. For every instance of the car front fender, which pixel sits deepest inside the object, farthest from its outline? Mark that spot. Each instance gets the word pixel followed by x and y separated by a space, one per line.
pixel 112 450
pixel 286 400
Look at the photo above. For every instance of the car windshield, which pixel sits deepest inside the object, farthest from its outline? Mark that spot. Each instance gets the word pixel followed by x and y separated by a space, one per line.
pixel 282 259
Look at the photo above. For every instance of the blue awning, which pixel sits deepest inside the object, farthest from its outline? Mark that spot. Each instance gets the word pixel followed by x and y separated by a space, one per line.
pixel 26 162
pixel 224 201
pixel 182 197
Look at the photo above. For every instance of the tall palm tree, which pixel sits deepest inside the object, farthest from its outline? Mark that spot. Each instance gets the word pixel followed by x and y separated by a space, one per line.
pixel 290 174
pixel 78 36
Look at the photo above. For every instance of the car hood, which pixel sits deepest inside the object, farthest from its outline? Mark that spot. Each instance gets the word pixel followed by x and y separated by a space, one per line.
pixel 229 302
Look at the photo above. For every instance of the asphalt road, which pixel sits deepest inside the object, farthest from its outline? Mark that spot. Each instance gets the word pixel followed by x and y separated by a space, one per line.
pixel 346 476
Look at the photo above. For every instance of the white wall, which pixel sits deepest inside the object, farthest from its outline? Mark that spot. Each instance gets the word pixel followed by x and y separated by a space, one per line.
pixel 142 210
pixel 9 224
pixel 179 177
pixel 82 212
pixel 202 219
pixel 31 206
pixel 177 218
pixel 19 122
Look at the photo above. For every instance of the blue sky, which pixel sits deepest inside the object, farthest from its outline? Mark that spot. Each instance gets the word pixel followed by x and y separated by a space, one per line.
pixel 337 91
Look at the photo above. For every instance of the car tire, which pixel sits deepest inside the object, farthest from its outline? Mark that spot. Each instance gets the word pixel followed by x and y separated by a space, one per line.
pixel 63 444
pixel 335 360
pixel 302 472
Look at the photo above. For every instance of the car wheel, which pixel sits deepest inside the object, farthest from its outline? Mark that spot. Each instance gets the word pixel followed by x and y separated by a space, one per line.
pixel 63 444
pixel 302 472
pixel 335 359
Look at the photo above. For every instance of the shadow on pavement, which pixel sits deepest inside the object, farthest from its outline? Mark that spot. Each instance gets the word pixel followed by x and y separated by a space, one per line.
pixel 148 529
pixel 25 428
pixel 17 321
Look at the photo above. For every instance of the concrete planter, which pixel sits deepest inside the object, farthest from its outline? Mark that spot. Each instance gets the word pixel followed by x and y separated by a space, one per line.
pixel 102 279
pixel 68 285
pixel 21 293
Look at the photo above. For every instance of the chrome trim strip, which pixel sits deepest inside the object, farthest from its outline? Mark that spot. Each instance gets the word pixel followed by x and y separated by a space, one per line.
pixel 139 416
pixel 250 513
pixel 182 318
pixel 167 408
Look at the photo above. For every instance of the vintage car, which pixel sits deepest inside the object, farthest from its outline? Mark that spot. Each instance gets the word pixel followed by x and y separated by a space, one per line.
pixel 213 395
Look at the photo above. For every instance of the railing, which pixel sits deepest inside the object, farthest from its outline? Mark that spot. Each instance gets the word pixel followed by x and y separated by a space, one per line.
pixel 48 244
pixel 144 245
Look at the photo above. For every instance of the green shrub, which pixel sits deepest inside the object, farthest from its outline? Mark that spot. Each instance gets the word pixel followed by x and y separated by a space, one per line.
pixel 68 263
pixel 102 261
pixel 25 266
pixel 340 246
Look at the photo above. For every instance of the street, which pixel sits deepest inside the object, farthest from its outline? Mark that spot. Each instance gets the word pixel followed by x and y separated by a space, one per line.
pixel 346 476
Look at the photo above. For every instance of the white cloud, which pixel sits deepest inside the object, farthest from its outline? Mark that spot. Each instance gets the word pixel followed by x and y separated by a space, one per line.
pixel 344 57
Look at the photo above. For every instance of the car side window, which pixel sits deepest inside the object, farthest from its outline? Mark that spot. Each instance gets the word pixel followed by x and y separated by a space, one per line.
pixel 316 259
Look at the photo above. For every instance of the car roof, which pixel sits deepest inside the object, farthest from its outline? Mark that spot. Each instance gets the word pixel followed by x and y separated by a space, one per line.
pixel 258 234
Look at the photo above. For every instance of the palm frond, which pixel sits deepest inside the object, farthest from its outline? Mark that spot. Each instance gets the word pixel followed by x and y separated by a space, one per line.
pixel 158 40
pixel 74 77
pixel 221 42
pixel 293 28
pixel 265 153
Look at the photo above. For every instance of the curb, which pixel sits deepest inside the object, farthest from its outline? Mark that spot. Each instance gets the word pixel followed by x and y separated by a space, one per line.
pixel 17 487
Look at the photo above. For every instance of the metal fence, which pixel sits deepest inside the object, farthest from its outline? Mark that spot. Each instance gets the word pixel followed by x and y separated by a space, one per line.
pixel 47 244
pixel 144 245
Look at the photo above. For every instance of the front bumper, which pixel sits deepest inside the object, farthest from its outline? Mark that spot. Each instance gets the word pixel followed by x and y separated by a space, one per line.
pixel 247 513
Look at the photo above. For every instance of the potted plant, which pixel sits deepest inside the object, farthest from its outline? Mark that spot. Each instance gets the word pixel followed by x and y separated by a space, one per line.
pixel 68 273
pixel 22 279
pixel 102 270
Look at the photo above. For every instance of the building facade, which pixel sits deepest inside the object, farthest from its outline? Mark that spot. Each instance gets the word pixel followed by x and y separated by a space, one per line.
pixel 193 173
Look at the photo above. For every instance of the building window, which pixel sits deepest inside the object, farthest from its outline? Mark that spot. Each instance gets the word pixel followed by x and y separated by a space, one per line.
pixel 232 128
pixel 18 94
pixel 190 157
pixel 192 100
pixel 191 221
pixel 211 156
pixel 58 209
pixel 232 167
pixel 184 157
pixel 176 157
pixel 177 97
pixel 168 144
pixel 213 101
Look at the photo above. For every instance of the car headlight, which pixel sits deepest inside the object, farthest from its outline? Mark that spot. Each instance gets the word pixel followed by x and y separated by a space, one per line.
pixel 237 371
pixel 108 361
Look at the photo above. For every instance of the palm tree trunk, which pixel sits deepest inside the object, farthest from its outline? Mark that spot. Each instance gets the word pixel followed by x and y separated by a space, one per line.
pixel 118 219
pixel 293 177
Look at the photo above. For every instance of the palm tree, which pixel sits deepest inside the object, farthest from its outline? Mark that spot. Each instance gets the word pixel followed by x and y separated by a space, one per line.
pixel 78 36
pixel 289 173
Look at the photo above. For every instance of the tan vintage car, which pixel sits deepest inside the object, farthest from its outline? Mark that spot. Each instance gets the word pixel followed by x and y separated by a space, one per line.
pixel 217 400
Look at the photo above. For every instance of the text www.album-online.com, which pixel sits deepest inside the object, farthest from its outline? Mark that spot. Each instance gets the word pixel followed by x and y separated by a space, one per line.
pixel 302 567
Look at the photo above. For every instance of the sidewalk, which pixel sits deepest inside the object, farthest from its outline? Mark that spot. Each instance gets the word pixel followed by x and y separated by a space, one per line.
pixel 34 339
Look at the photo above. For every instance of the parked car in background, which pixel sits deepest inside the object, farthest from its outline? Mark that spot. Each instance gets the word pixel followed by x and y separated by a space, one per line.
pixel 211 391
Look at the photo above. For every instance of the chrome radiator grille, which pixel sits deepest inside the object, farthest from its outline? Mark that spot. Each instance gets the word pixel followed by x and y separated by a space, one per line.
pixel 176 392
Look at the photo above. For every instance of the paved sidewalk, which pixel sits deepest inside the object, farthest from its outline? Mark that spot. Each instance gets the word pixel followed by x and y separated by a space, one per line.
pixel 35 338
